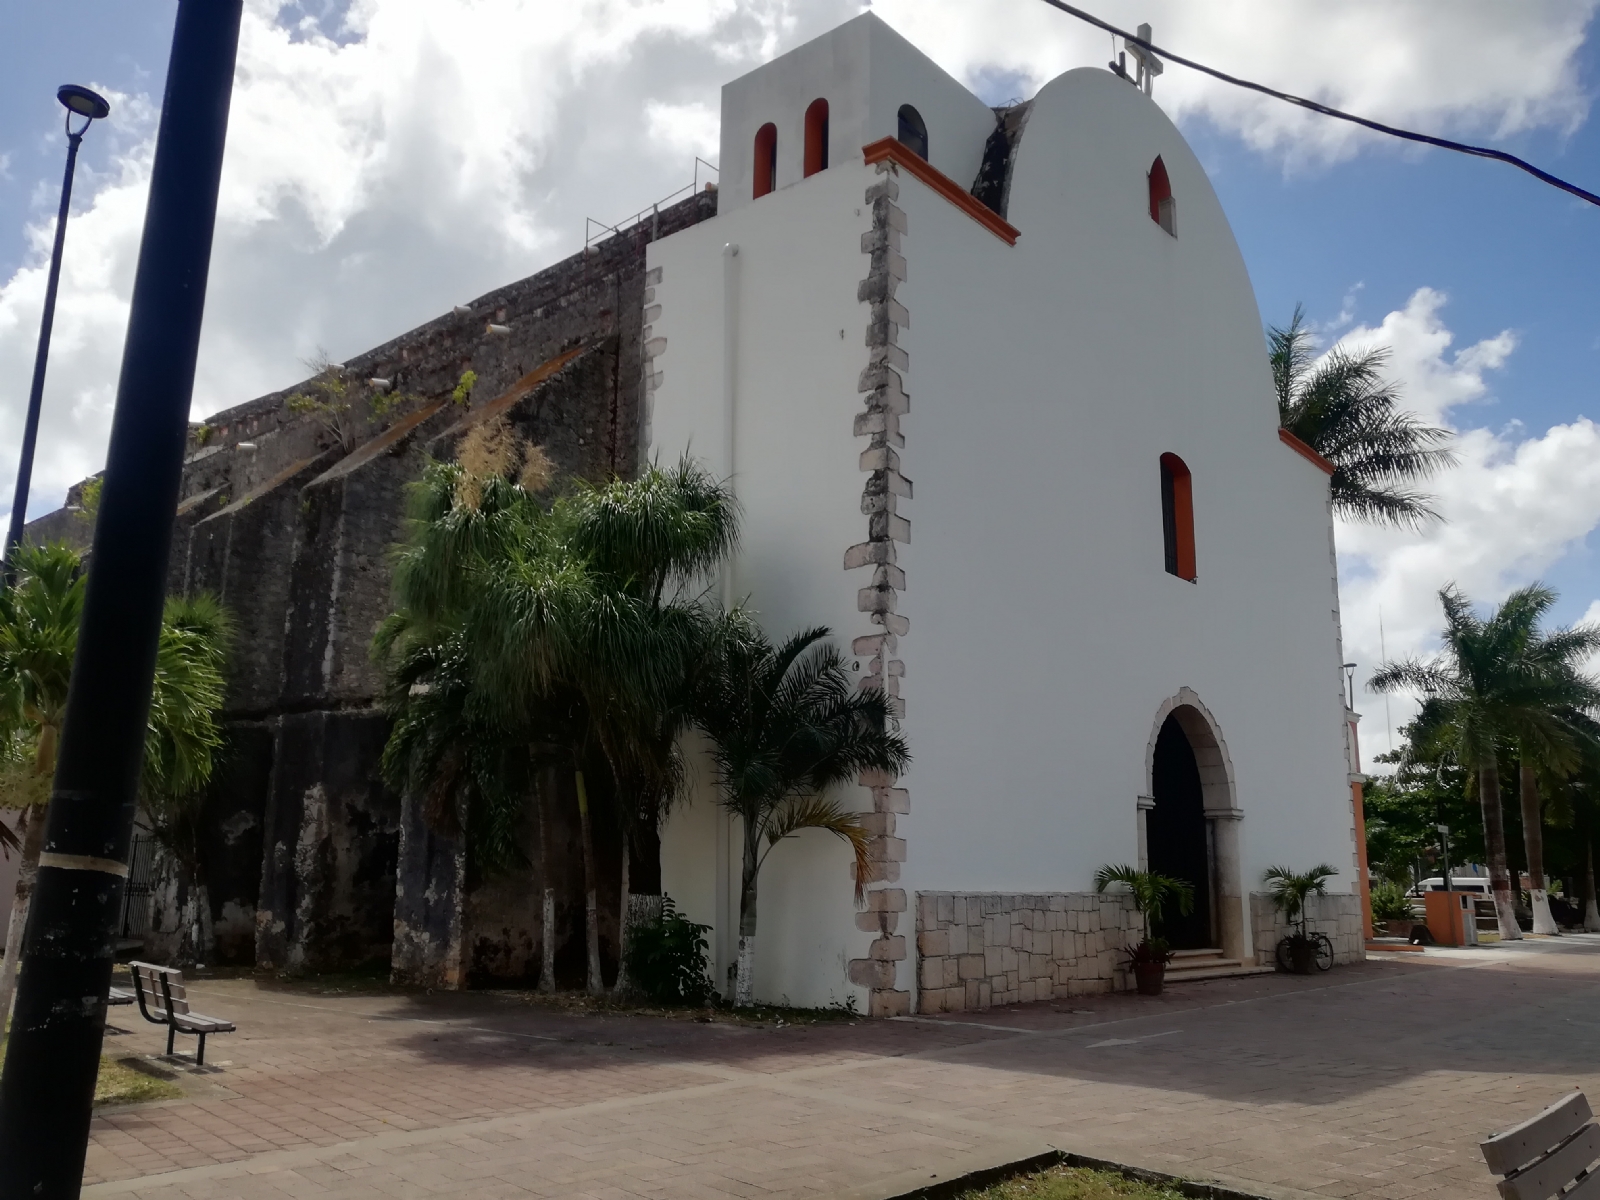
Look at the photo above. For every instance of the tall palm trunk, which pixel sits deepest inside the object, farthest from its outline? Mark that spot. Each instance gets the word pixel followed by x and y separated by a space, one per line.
pixel 620 988
pixel 31 834
pixel 745 978
pixel 1591 911
pixel 1533 843
pixel 1494 841
pixel 547 919
pixel 591 897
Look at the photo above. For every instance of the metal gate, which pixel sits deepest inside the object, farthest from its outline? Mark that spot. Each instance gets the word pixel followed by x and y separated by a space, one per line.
pixel 136 894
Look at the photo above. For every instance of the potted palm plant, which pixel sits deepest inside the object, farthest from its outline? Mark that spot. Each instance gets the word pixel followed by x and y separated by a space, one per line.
pixel 1151 895
pixel 1289 890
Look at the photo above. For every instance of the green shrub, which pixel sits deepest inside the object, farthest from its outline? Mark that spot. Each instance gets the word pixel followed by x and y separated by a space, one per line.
pixel 667 958
pixel 1390 903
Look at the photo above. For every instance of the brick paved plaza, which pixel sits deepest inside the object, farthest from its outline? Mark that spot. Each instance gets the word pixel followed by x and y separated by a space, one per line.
pixel 1375 1080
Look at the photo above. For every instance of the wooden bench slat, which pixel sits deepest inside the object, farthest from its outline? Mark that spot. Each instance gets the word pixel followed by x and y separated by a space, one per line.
pixel 1544 1177
pixel 1523 1143
pixel 1588 1188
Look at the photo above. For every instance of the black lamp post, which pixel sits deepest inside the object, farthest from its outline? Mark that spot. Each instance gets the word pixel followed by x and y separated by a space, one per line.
pixel 91 106
pixel 53 1052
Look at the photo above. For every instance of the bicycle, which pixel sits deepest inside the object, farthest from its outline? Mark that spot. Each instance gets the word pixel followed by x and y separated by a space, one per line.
pixel 1322 953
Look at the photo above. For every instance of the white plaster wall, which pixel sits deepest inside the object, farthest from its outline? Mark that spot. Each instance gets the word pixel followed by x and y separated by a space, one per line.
pixel 1046 379
pixel 866 71
pixel 800 350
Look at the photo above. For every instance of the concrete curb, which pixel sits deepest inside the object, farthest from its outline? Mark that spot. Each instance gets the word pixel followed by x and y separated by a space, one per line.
pixel 949 1189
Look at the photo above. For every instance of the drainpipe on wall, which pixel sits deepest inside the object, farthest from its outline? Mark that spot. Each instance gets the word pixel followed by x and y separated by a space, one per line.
pixel 727 909
pixel 1363 883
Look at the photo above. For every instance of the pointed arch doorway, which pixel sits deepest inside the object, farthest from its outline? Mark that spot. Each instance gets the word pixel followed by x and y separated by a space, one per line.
pixel 1190 825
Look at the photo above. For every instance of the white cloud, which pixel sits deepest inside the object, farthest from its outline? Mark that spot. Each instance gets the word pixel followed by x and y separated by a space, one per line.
pixel 1512 507
pixel 421 153
pixel 1490 70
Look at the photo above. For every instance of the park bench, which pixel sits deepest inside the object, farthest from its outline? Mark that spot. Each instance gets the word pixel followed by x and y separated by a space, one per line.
pixel 163 1001
pixel 1548 1153
pixel 118 995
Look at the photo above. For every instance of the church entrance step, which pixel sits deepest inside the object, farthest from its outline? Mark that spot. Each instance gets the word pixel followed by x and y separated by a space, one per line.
pixel 1191 966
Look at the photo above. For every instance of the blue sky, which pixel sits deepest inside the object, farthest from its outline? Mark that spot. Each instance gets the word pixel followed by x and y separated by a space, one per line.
pixel 368 186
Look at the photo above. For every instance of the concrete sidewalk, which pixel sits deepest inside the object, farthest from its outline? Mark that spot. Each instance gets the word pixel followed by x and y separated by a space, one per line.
pixel 1374 1081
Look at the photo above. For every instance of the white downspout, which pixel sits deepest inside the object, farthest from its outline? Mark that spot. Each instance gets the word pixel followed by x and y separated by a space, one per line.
pixel 727 870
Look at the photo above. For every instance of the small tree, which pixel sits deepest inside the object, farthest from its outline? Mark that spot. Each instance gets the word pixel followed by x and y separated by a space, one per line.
pixel 1289 890
pixel 39 616
pixel 786 725
pixel 1151 895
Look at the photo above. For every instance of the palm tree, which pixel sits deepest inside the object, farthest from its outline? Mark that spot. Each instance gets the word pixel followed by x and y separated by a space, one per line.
pixel 1339 405
pixel 1152 893
pixel 38 635
pixel 577 631
pixel 1498 683
pixel 1289 890
pixel 39 616
pixel 655 540
pixel 785 726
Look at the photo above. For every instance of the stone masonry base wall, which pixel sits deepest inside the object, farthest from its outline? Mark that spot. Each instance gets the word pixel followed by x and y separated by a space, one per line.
pixel 1337 915
pixel 978 950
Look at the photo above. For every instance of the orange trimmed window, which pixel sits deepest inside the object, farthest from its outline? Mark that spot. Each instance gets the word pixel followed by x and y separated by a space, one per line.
pixel 913 132
pixel 1177 517
pixel 816 157
pixel 766 161
pixel 1163 208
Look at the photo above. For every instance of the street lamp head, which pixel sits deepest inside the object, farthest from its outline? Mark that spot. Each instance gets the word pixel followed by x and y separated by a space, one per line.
pixel 82 101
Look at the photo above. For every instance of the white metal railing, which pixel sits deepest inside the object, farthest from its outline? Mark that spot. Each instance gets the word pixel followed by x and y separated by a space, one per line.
pixel 597 231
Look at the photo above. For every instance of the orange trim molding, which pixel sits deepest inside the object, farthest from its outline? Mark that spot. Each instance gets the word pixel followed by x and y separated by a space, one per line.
pixel 915 164
pixel 1304 451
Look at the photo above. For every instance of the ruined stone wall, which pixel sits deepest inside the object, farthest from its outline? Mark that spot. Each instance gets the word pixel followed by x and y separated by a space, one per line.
pixel 289 517
pixel 977 950
pixel 1337 914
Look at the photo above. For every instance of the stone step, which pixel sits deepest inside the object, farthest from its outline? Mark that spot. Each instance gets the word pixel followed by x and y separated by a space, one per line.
pixel 1210 968
pixel 1182 955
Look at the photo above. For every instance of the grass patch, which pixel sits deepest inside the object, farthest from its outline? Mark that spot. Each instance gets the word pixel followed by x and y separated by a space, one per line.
pixel 1072 1183
pixel 129 1081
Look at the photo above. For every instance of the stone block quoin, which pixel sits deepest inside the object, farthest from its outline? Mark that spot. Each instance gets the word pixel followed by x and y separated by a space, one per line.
pixel 882 384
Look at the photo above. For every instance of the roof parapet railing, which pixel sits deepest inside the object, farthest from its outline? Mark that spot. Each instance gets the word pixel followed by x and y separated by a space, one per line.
pixel 598 231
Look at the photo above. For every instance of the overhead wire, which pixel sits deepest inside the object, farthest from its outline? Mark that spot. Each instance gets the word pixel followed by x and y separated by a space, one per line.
pixel 1327 111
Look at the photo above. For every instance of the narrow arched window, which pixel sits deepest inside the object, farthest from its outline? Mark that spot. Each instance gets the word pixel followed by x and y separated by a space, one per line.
pixel 766 162
pixel 1163 208
pixel 1177 517
pixel 913 131
pixel 816 158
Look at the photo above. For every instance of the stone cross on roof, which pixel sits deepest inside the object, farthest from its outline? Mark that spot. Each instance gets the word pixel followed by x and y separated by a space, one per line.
pixel 1149 65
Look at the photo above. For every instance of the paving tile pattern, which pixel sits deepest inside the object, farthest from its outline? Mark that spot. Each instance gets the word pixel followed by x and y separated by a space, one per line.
pixel 1373 1081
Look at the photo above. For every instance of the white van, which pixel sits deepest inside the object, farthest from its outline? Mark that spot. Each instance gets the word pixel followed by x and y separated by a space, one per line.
pixel 1477 884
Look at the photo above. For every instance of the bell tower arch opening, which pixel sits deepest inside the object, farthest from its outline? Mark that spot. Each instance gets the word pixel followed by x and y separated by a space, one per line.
pixel 1189 825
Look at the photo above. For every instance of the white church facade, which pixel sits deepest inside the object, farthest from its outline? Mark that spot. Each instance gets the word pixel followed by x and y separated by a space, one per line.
pixel 1026 337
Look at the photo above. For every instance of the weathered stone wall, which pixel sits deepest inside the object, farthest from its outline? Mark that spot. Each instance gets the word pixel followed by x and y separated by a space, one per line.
pixel 289 517
pixel 1337 914
pixel 976 950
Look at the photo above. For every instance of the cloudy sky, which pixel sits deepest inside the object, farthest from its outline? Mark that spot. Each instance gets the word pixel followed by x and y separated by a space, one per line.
pixel 389 158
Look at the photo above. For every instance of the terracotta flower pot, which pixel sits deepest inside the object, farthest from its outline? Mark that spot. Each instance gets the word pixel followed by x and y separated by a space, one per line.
pixel 1401 929
pixel 1148 977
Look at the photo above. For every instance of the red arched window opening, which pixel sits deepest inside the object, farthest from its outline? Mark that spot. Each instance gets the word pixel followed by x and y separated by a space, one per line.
pixel 1177 517
pixel 766 159
pixel 816 158
pixel 1163 208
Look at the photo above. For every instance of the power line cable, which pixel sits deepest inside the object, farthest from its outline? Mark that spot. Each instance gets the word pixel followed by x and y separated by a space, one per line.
pixel 1301 101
